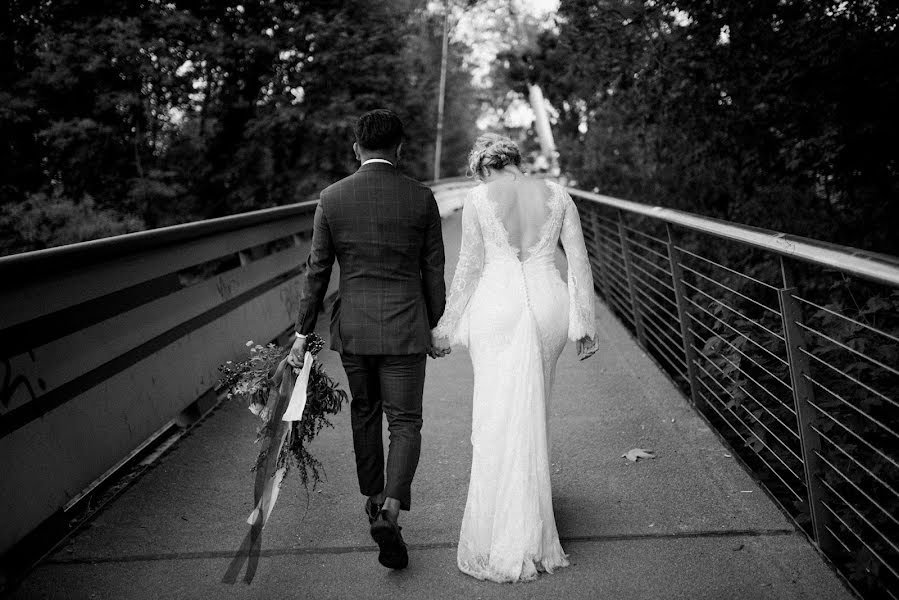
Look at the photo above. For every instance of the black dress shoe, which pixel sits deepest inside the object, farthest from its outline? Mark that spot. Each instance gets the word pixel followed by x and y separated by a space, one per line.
pixel 386 534
pixel 371 510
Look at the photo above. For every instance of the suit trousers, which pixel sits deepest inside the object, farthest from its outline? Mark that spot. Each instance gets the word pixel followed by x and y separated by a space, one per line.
pixel 389 385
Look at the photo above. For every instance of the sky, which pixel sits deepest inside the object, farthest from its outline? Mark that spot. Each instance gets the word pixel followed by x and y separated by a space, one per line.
pixel 488 29
pixel 543 6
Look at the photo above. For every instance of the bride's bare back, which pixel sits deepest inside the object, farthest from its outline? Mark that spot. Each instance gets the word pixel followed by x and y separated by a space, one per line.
pixel 522 206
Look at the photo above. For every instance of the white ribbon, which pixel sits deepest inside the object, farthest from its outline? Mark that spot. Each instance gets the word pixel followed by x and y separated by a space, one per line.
pixel 294 410
pixel 269 497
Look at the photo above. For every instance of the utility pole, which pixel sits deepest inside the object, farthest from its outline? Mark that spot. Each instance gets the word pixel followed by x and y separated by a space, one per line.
pixel 442 93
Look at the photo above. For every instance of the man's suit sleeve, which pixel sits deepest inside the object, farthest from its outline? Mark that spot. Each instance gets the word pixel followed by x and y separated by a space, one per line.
pixel 432 264
pixel 318 273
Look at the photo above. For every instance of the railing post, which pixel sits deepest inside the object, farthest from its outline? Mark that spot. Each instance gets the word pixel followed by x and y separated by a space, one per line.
pixel 803 395
pixel 680 296
pixel 603 271
pixel 631 284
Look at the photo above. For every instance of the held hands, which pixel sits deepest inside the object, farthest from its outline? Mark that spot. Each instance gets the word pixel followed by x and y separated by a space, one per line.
pixel 586 347
pixel 440 347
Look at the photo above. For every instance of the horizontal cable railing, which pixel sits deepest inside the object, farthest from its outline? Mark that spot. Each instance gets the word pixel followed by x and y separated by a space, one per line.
pixel 788 347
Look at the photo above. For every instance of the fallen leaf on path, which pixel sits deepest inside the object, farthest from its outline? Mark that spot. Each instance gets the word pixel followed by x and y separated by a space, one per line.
pixel 636 454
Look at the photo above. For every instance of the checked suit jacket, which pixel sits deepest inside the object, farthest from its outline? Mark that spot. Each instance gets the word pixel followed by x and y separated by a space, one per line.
pixel 385 231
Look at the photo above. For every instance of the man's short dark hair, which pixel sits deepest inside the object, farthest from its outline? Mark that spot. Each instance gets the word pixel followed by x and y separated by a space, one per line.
pixel 379 129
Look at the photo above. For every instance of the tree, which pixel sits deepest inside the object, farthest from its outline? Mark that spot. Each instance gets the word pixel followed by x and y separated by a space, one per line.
pixel 152 113
pixel 772 113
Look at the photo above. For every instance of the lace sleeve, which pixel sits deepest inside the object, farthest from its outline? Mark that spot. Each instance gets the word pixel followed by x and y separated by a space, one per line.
pixel 581 313
pixel 465 279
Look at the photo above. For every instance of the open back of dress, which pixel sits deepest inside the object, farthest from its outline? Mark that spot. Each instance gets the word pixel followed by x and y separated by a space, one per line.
pixel 522 207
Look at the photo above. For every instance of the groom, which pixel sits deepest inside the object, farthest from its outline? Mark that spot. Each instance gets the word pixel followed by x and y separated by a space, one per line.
pixel 385 231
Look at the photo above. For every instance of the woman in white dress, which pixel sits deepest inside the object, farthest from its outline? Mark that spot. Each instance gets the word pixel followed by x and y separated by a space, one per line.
pixel 509 304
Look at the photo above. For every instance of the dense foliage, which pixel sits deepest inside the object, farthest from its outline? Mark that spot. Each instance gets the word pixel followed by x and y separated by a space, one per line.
pixel 118 116
pixel 778 113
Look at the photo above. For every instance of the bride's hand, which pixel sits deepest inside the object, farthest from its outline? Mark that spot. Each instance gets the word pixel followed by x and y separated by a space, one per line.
pixel 440 347
pixel 586 347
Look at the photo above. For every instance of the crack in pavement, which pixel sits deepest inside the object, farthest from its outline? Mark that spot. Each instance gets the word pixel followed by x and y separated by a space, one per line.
pixel 214 554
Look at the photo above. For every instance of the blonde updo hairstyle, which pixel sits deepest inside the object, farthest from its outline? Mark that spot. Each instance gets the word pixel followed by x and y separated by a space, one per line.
pixel 492 152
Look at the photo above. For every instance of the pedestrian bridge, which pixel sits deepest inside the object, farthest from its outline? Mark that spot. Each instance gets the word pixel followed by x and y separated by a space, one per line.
pixel 761 368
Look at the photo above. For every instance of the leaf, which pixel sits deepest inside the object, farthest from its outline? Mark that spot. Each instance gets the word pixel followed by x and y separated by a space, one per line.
pixel 636 454
pixel 755 443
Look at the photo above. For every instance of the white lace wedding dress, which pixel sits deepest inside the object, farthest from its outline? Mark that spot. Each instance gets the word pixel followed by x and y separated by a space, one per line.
pixel 513 310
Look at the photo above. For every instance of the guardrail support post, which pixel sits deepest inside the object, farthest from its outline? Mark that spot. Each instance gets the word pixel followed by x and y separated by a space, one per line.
pixel 803 394
pixel 631 284
pixel 680 295
pixel 594 226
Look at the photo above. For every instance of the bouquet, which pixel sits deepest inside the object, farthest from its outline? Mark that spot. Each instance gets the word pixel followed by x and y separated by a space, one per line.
pixel 290 418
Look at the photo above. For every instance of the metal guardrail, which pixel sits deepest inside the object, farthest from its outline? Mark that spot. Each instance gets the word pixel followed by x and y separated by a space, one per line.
pixel 104 343
pixel 788 347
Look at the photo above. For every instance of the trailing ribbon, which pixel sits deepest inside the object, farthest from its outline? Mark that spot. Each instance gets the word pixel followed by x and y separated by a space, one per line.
pixel 281 413
pixel 287 407
pixel 268 476
pixel 294 410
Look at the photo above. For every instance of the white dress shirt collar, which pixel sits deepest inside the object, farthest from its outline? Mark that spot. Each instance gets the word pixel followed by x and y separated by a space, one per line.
pixel 376 160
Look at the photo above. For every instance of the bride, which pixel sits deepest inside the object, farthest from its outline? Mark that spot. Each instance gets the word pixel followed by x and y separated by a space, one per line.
pixel 509 305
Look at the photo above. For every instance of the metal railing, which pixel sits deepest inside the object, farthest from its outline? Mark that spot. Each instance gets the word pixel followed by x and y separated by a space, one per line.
pixel 104 343
pixel 788 347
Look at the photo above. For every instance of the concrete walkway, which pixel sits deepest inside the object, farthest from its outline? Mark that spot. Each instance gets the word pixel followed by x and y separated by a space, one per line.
pixel 690 524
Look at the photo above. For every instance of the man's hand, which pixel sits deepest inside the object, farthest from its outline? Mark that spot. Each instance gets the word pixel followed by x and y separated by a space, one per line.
pixel 586 347
pixel 297 353
pixel 440 347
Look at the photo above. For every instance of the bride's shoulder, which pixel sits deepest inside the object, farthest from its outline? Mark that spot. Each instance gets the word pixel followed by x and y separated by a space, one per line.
pixel 558 190
pixel 478 191
pixel 473 196
pixel 555 186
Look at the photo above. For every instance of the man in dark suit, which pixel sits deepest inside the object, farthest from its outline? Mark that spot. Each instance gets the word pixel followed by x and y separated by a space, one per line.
pixel 385 231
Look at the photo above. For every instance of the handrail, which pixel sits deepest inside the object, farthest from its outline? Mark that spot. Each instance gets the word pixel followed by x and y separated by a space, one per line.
pixel 449 180
pixel 61 257
pixel 880 268
pixel 795 354
pixel 108 340
pixel 89 324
